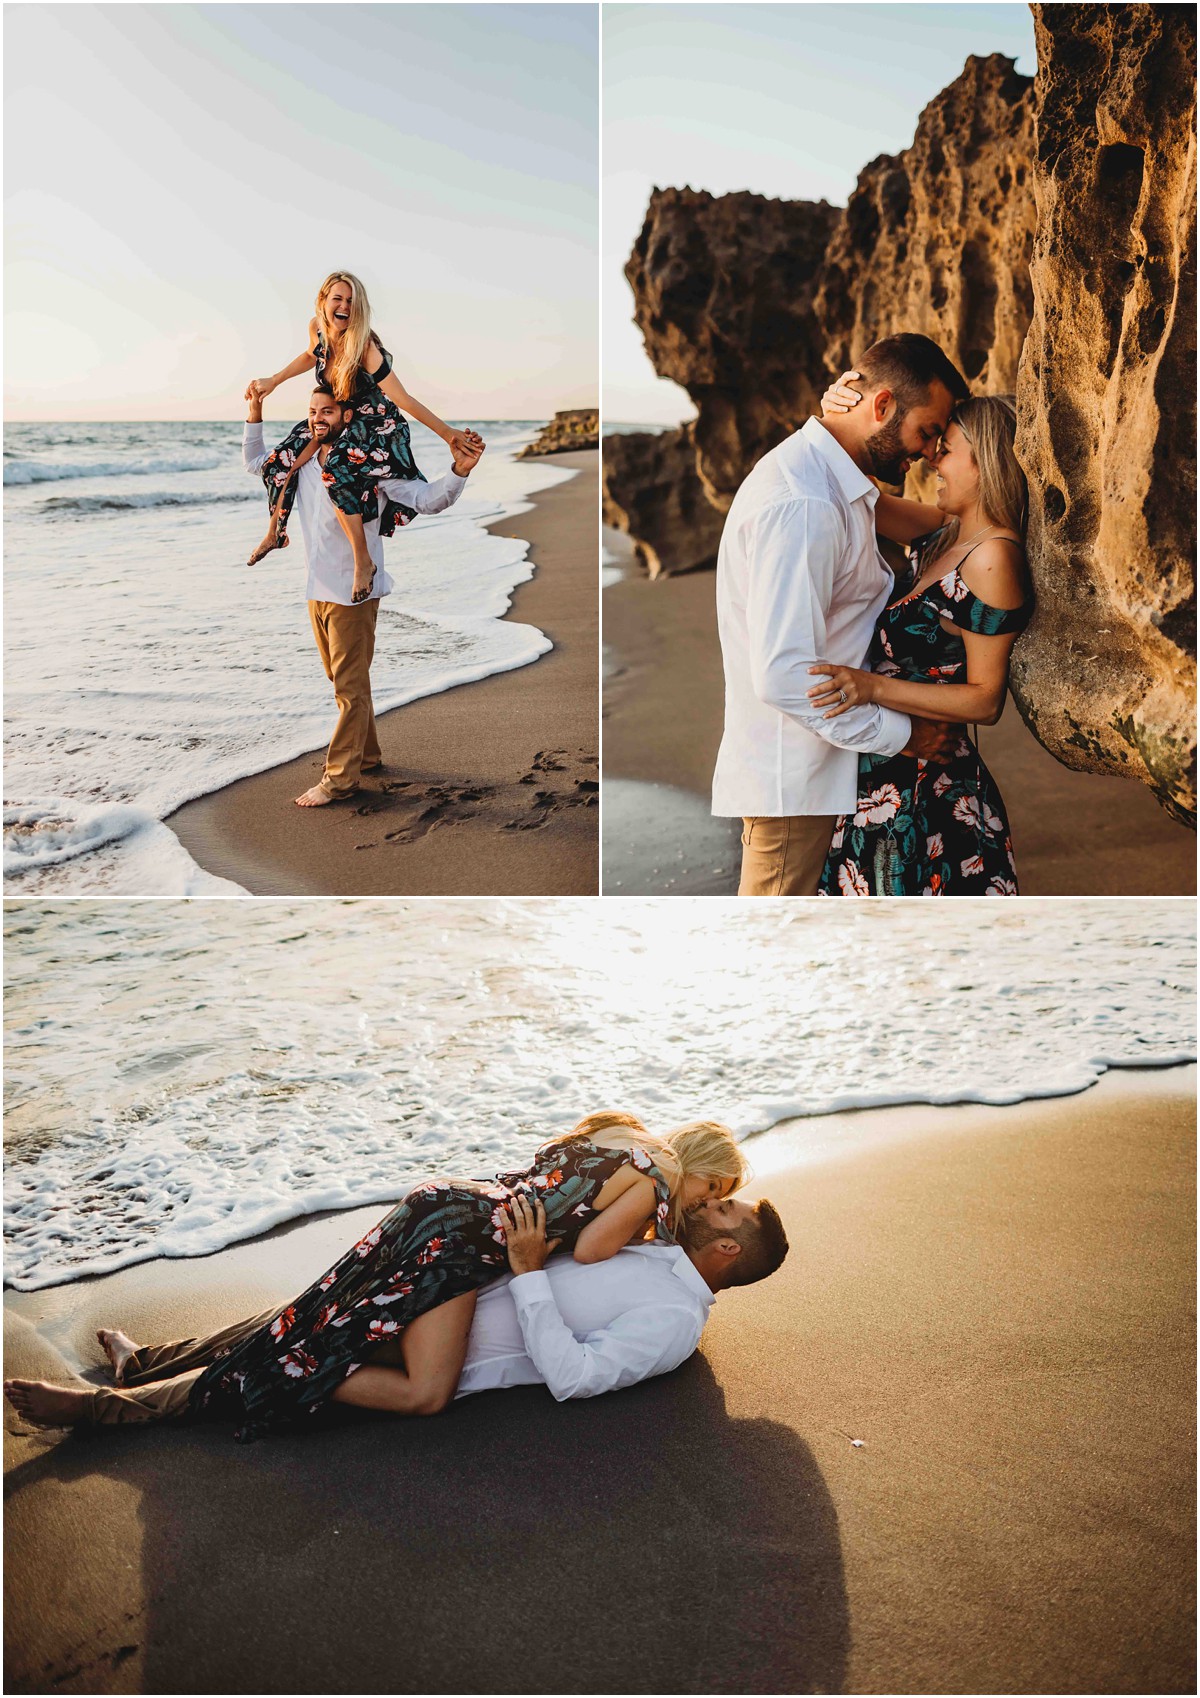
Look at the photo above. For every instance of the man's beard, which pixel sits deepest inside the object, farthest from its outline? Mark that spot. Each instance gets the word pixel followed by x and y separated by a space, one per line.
pixel 887 452
pixel 696 1230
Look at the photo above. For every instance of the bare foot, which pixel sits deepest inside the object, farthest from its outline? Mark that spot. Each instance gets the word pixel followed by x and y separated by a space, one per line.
pixel 118 1347
pixel 314 798
pixel 364 579
pixel 48 1405
pixel 269 542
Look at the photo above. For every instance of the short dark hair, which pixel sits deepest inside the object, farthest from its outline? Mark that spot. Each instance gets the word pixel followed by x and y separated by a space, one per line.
pixel 324 389
pixel 764 1245
pixel 907 364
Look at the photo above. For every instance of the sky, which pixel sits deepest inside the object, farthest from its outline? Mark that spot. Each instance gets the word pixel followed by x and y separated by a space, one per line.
pixel 181 178
pixel 787 100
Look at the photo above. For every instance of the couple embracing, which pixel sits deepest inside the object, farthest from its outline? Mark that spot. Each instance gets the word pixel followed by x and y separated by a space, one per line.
pixel 420 1311
pixel 849 689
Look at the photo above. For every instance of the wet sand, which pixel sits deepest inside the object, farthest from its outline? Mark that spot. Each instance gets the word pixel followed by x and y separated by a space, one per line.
pixel 487 789
pixel 1075 833
pixel 997 1302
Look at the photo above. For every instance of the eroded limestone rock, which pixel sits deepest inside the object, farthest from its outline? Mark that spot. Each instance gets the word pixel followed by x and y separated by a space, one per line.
pixel 723 291
pixel 652 491
pixel 578 427
pixel 1105 675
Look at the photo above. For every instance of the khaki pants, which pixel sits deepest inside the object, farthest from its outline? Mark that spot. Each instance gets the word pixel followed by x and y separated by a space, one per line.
pixel 346 643
pixel 159 1377
pixel 784 856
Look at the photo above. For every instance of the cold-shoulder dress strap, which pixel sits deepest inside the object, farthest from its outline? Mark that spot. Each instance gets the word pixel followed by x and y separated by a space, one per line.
pixel 970 612
pixel 384 369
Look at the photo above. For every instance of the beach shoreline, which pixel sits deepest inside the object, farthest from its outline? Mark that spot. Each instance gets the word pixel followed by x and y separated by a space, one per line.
pixel 997 1301
pixel 1075 834
pixel 488 789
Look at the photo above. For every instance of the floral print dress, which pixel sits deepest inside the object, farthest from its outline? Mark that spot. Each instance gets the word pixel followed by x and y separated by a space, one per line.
pixel 374 445
pixel 443 1239
pixel 922 829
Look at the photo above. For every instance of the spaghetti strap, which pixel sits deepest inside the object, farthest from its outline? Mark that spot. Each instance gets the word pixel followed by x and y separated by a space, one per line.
pixel 980 543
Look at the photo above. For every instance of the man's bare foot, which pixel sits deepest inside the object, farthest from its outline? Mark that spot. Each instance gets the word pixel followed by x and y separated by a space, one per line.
pixel 118 1347
pixel 269 542
pixel 364 580
pixel 48 1405
pixel 314 798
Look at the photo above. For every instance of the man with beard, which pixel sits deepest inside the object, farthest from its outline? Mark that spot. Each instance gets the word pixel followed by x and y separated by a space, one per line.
pixel 343 625
pixel 800 580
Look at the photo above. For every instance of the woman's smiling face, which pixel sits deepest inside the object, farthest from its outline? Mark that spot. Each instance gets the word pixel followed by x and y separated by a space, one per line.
pixel 338 303
pixel 957 473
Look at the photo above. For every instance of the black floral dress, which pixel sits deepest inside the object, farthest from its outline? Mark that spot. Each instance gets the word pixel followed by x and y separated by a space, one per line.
pixel 922 829
pixel 374 445
pixel 443 1239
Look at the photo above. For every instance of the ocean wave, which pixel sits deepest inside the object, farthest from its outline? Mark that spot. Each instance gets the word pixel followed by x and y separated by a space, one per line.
pixel 54 471
pixel 60 505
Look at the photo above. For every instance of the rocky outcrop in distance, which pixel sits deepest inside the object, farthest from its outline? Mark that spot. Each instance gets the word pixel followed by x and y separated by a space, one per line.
pixel 723 290
pixel 1043 232
pixel 1106 673
pixel 578 427
pixel 652 492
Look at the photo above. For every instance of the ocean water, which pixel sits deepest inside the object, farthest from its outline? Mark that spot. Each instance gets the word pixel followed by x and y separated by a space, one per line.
pixel 184 1076
pixel 146 664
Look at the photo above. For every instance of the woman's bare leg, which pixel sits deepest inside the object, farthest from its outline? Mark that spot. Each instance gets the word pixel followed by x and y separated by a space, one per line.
pixel 435 1348
pixel 273 538
pixel 364 566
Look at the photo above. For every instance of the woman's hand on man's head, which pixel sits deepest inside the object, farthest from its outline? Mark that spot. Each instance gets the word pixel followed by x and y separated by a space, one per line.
pixel 839 397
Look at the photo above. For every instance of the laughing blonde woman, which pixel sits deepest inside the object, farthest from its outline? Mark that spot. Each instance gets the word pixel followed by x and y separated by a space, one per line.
pixel 347 356
pixel 941 651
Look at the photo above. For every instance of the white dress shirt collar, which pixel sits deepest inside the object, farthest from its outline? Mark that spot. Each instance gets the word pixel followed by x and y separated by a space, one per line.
pixel 852 482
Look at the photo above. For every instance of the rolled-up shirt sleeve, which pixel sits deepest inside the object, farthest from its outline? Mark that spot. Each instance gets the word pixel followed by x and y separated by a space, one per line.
pixel 432 497
pixel 793 550
pixel 253 448
pixel 645 1341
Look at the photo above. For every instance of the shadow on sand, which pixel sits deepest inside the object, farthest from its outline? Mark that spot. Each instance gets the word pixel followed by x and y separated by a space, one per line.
pixel 644 1542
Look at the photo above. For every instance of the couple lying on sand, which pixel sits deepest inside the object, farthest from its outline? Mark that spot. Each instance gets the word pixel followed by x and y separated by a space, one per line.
pixel 865 783
pixel 350 475
pixel 417 1313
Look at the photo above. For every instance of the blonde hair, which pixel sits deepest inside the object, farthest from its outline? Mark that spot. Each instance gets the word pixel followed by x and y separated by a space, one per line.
pixel 354 341
pixel 701 1149
pixel 989 423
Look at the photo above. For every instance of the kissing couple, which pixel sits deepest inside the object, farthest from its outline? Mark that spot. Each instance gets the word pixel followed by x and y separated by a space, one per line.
pixel 617 1242
pixel 849 686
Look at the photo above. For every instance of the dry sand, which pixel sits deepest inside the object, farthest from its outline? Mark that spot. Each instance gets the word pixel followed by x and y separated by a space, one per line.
pixel 1075 833
pixel 488 789
pixel 998 1302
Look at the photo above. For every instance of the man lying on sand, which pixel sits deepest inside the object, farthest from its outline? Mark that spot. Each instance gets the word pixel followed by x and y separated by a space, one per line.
pixel 343 623
pixel 578 1328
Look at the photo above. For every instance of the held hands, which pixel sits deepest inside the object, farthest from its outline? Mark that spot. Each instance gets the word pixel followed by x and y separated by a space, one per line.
pixel 526 1235
pixel 259 388
pixel 839 397
pixel 465 454
pixel 460 440
pixel 847 687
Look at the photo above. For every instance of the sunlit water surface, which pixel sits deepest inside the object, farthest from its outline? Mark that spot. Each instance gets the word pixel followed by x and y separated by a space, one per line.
pixel 182 1077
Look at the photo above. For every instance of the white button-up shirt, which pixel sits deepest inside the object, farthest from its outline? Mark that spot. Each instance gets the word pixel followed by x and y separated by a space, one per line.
pixel 583 1328
pixel 330 556
pixel 800 579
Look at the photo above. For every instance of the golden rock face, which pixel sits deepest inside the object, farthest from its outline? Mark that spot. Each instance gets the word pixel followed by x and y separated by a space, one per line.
pixel 1106 397
pixel 1043 233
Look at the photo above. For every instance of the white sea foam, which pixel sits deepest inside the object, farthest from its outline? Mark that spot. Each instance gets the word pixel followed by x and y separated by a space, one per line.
pixel 147 665
pixel 181 1077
